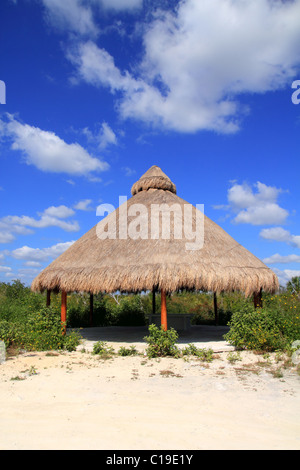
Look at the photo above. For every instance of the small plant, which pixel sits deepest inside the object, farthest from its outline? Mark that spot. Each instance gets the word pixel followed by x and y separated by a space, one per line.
pixel 131 351
pixel 190 349
pixel 234 357
pixel 205 355
pixel 102 349
pixel 32 371
pixel 71 341
pixel 277 373
pixel 161 342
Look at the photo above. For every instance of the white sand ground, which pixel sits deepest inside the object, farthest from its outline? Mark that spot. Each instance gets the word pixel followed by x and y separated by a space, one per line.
pixel 79 401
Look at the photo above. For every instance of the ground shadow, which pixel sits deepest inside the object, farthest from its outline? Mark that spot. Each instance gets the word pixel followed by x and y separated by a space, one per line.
pixel 204 334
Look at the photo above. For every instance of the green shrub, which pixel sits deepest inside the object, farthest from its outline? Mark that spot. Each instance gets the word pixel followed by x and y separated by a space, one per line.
pixel 131 351
pixel 273 327
pixel 71 341
pixel 16 301
pixel 161 342
pixel 202 353
pixel 127 312
pixel 102 349
pixel 42 331
pixel 102 313
pixel 11 333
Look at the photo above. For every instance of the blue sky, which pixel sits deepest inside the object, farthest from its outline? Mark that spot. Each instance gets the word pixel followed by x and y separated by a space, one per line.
pixel 97 91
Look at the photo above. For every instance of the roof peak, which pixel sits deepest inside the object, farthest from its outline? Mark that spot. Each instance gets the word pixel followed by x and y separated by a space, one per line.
pixel 154 178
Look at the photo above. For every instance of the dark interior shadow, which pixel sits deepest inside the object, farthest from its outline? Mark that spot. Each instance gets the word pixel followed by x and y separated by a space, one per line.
pixel 136 334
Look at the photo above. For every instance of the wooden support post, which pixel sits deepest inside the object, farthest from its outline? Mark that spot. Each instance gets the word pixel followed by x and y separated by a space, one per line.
pixel 216 310
pixel 163 320
pixel 63 311
pixel 153 301
pixel 91 309
pixel 48 298
pixel 257 299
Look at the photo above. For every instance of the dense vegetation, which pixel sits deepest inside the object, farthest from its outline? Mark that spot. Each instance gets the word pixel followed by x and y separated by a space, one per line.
pixel 26 323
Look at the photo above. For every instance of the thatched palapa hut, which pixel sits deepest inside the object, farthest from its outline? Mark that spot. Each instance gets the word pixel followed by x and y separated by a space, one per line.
pixel 155 241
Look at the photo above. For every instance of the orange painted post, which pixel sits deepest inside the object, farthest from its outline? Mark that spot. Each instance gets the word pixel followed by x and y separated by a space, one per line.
pixel 163 320
pixel 48 298
pixel 63 312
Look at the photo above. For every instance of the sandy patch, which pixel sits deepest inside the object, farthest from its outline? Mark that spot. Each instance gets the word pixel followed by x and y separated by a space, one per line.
pixel 79 401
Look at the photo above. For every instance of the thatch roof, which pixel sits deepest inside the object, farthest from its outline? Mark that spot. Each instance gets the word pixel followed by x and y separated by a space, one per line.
pixel 133 265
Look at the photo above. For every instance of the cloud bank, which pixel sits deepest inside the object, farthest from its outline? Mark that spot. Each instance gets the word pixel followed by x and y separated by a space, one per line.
pixel 198 61
pixel 47 151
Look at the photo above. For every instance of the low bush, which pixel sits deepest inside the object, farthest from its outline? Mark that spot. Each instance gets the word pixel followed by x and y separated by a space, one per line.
pixel 131 351
pixel 273 327
pixel 42 331
pixel 11 333
pixel 128 311
pixel 16 300
pixel 161 342
pixel 202 353
pixel 119 310
pixel 102 349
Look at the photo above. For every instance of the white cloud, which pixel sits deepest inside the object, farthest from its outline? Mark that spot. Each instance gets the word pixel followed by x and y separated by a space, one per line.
pixel 274 259
pixel 120 4
pixel 27 273
pixel 78 16
pixel 5 235
pixel 258 207
pixel 48 152
pixel 22 225
pixel 44 221
pixel 61 212
pixel 71 15
pixel 106 136
pixel 103 137
pixel 242 196
pixel 198 59
pixel 40 254
pixel 10 274
pixel 83 205
pixel 281 235
pixel 5 269
pixel 128 171
pixel 33 264
pixel 97 66
pixel 285 275
pixel 8 228
pixel 267 214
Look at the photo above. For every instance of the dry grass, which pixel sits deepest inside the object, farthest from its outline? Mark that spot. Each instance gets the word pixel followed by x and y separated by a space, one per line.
pixel 135 265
